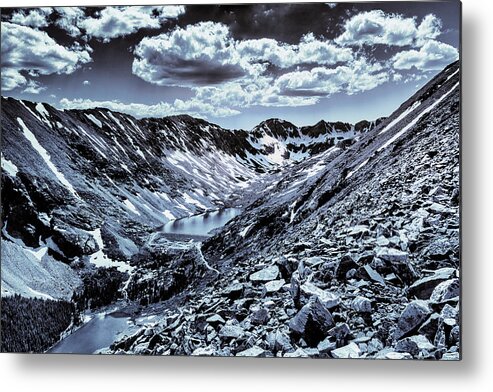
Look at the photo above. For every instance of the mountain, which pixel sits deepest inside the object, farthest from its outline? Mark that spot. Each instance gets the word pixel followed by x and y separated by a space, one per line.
pixel 352 253
pixel 94 183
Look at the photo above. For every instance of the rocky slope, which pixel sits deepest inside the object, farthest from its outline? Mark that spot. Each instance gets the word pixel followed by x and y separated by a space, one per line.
pixel 351 253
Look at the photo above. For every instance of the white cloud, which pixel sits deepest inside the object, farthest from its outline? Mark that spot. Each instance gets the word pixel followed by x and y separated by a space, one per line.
pixel 261 92
pixel 377 27
pixel 37 17
pixel 28 51
pixel 69 18
pixel 113 22
pixel 192 107
pixel 432 56
pixel 199 54
pixel 429 29
pixel 33 87
pixel 355 77
pixel 309 50
pixel 206 54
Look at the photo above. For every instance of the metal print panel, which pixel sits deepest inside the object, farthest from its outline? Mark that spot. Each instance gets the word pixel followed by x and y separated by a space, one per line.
pixel 263 180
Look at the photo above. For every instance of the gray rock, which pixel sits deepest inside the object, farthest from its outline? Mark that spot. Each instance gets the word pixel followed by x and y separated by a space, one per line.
pixel 411 318
pixel 396 355
pixel 446 290
pixel 451 357
pixel 374 275
pixel 374 346
pixel 312 322
pixel 343 265
pixel 328 299
pixel 399 261
pixel 326 346
pixel 274 286
pixel 215 320
pixel 423 288
pixel 233 291
pixel 299 353
pixel 254 351
pixel 392 255
pixel 340 332
pixel 231 331
pixel 414 345
pixel 281 342
pixel 204 351
pixel 349 351
pixel 260 317
pixel 430 326
pixel 361 304
pixel 266 274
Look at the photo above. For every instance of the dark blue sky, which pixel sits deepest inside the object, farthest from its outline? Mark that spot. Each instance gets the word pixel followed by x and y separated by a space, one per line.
pixel 233 65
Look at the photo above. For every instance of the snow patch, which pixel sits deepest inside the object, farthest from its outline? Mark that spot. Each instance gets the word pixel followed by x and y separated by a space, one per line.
pixel 400 117
pixel 9 167
pixel 40 108
pixel 169 215
pixel 100 260
pixel 94 120
pixel 359 167
pixel 40 294
pixel 417 118
pixel 46 157
pixel 130 206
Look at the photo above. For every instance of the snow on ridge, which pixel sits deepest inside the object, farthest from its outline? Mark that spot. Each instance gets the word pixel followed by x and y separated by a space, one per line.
pixel 131 207
pixel 169 215
pixel 46 157
pixel 40 108
pixel 416 119
pixel 94 120
pixel 358 168
pixel 400 117
pixel 9 166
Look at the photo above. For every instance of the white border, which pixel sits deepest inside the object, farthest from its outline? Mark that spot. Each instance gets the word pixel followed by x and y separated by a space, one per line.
pixel 83 373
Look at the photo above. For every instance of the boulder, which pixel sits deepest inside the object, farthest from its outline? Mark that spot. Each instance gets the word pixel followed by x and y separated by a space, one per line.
pixel 312 322
pixel 260 317
pixel 411 318
pixel 361 305
pixel 399 262
pixel 328 299
pixel 423 288
pixel 414 345
pixel 340 332
pixel 349 351
pixel 326 346
pixel 254 351
pixel 231 331
pixel 279 341
pixel 274 286
pixel 373 275
pixel 345 264
pixel 446 290
pixel 430 326
pixel 233 291
pixel 215 319
pixel 266 274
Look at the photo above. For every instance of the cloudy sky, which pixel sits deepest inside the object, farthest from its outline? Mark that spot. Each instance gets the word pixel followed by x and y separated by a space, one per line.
pixel 234 65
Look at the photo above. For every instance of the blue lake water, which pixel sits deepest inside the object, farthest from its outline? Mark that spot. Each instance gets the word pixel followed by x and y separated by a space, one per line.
pixel 201 224
pixel 98 333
